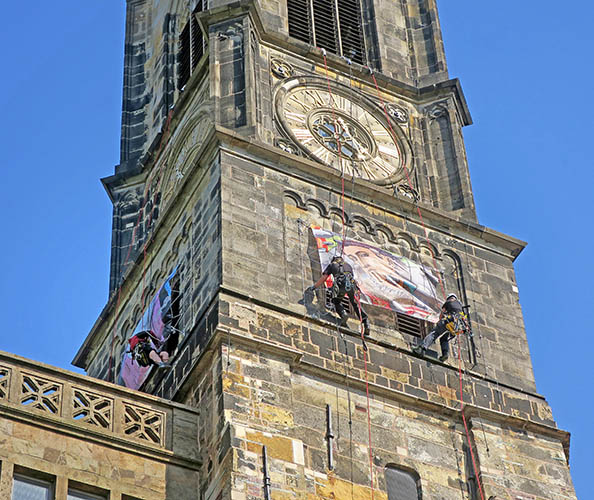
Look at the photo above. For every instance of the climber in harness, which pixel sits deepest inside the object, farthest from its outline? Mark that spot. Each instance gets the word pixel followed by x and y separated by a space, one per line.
pixel 343 283
pixel 452 322
pixel 145 352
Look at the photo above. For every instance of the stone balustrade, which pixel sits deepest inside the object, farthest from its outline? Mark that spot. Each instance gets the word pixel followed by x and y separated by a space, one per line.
pixel 86 407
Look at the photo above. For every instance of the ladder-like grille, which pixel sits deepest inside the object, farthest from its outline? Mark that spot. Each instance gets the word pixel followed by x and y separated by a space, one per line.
pixel 334 25
pixel 404 323
pixel 191 46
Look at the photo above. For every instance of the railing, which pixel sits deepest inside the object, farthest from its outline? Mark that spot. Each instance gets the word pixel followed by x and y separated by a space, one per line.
pixel 83 404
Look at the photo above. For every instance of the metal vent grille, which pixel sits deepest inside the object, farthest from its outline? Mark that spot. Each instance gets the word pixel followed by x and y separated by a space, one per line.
pixel 346 303
pixel 334 25
pixel 300 20
pixel 324 21
pixel 184 56
pixel 410 325
pixel 404 323
pixel 191 47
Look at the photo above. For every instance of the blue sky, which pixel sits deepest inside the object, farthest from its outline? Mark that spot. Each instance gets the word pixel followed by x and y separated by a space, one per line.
pixel 525 68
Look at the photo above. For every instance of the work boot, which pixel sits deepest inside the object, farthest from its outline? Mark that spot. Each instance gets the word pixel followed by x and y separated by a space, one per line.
pixel 344 318
pixel 444 356
pixel 419 349
pixel 366 327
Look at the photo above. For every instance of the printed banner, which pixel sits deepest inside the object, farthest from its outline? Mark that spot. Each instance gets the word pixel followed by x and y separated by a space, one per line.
pixel 385 279
pixel 133 375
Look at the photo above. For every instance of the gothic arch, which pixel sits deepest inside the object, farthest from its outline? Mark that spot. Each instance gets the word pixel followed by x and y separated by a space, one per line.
pixel 409 240
pixel 125 329
pixel 426 248
pixel 402 483
pixel 136 314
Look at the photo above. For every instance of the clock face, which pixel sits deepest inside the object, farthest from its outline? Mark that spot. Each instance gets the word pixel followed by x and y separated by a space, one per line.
pixel 341 129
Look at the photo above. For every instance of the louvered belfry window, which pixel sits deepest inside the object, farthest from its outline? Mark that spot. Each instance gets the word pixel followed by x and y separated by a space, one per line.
pixel 191 46
pixel 334 25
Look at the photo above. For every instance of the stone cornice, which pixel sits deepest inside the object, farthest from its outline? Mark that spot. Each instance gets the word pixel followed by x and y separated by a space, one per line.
pixel 227 292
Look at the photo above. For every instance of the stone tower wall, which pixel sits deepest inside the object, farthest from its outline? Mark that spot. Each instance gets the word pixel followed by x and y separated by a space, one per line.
pixel 236 202
pixel 266 257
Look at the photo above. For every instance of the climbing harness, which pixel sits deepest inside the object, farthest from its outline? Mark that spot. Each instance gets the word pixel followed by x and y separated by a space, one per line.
pixel 457 324
pixel 344 281
pixel 141 346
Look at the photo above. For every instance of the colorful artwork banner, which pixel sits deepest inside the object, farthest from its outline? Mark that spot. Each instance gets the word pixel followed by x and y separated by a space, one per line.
pixel 133 375
pixel 384 278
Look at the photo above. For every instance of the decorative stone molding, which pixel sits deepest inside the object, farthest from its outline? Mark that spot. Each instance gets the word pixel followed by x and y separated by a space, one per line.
pixel 437 111
pixel 40 393
pixel 92 408
pixel 287 146
pixel 408 192
pixel 4 382
pixel 280 68
pixel 397 113
pixel 143 423
pixel 370 228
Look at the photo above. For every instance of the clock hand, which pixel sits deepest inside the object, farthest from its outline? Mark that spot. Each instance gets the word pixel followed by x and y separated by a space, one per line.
pixel 360 149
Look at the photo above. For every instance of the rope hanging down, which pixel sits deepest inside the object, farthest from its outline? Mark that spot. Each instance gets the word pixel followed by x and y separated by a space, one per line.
pixel 429 246
pixel 442 289
pixel 476 474
pixel 339 150
pixel 366 393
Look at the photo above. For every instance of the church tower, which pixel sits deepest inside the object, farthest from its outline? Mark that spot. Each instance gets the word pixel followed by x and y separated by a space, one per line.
pixel 259 139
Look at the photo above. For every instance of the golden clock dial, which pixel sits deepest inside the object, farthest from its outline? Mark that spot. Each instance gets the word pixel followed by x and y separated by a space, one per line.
pixel 333 128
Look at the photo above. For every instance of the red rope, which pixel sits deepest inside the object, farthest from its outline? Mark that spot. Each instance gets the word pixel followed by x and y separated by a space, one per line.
pixel 341 252
pixel 366 393
pixel 133 240
pixel 339 151
pixel 442 290
pixel 478 481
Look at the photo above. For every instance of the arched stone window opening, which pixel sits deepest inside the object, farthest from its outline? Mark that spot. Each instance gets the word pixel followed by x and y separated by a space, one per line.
pixel 402 483
pixel 453 276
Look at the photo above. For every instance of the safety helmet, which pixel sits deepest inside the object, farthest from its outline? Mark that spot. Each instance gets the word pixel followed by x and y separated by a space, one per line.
pixel 452 295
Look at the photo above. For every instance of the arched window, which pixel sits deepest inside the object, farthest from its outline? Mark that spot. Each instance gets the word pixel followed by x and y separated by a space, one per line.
pixel 452 274
pixel 402 484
